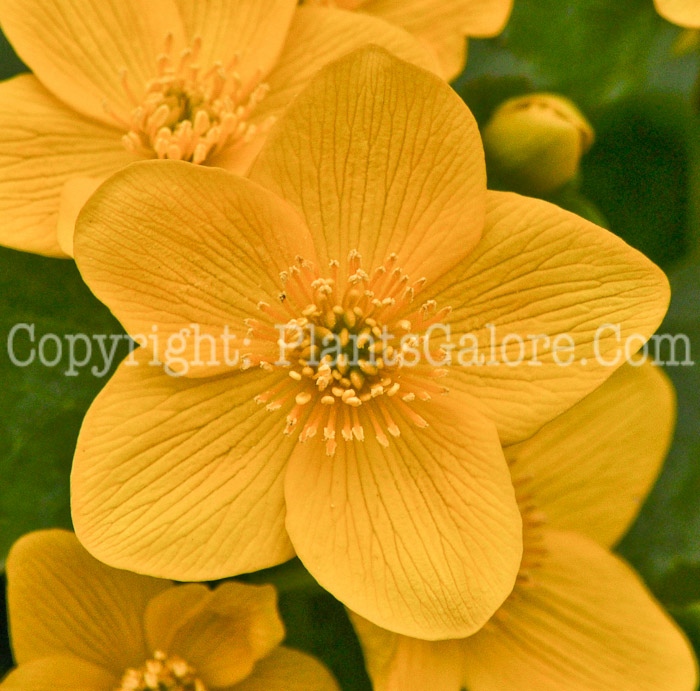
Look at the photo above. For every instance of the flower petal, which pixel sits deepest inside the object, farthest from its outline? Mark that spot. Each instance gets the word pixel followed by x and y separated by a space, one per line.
pixel 682 12
pixel 288 670
pixel 170 245
pixel 540 276
pixel 221 633
pixel 59 673
pixel 79 49
pixel 182 476
pixel 422 537
pixel 403 174
pixel 74 196
pixel 396 662
pixel 42 145
pixel 587 622
pixel 62 601
pixel 589 469
pixel 249 31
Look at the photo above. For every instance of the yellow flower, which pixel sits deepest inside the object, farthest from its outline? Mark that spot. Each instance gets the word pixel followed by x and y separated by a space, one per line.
pixel 116 81
pixel 682 12
pixel 78 624
pixel 367 208
pixel 441 24
pixel 579 618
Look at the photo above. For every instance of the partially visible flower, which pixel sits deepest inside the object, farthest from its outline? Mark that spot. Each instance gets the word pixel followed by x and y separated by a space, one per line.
pixel 682 12
pixel 366 213
pixel 579 618
pixel 535 142
pixel 440 24
pixel 78 624
pixel 116 81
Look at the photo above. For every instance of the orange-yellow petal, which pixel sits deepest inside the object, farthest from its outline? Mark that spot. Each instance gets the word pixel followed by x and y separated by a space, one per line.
pixel 589 469
pixel 549 280
pixel 74 196
pixel 182 477
pixel 423 536
pixel 380 157
pixel 221 633
pixel 397 663
pixel 682 12
pixel 62 601
pixel 43 144
pixel 59 673
pixel 170 245
pixel 251 32
pixel 586 622
pixel 288 670
pixel 80 49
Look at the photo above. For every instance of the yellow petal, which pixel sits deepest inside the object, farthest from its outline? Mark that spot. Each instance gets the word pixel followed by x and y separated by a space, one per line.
pixel 74 195
pixel 288 670
pixel 422 537
pixel 249 31
pixel 182 476
pixel 541 276
pixel 156 261
pixel 59 673
pixel 589 469
pixel 682 12
pixel 403 174
pixel 42 145
pixel 587 622
pixel 221 633
pixel 80 49
pixel 397 663
pixel 62 601
pixel 318 37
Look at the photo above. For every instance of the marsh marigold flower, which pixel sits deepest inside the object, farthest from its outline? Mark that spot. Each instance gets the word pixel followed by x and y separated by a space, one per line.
pixel 441 24
pixel 78 624
pixel 579 618
pixel 682 12
pixel 367 212
pixel 116 81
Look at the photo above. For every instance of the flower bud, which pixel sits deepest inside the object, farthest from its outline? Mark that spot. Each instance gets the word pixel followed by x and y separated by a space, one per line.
pixel 535 142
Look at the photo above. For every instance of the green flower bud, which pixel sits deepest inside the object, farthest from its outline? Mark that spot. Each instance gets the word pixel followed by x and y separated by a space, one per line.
pixel 535 142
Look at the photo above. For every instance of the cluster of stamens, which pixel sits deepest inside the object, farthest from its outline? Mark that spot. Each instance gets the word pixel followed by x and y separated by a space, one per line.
pixel 162 673
pixel 191 114
pixel 347 346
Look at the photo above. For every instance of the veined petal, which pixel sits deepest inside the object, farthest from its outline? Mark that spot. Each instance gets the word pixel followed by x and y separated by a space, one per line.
pixel 59 673
pixel 249 31
pixel 172 246
pixel 74 196
pixel 587 622
pixel 79 49
pixel 182 476
pixel 43 144
pixel 682 12
pixel 423 536
pixel 590 469
pixel 222 633
pixel 559 285
pixel 62 601
pixel 403 174
pixel 397 663
pixel 288 670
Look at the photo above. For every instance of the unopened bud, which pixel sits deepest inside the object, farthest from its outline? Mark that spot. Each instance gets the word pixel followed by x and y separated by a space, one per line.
pixel 535 142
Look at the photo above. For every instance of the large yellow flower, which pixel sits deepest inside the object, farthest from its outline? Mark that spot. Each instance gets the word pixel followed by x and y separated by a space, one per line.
pixel 116 81
pixel 367 209
pixel 78 624
pixel 579 618
pixel 440 24
pixel 682 12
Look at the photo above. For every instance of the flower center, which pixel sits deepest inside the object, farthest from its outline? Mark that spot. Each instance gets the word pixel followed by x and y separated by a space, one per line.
pixel 358 354
pixel 189 114
pixel 162 673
